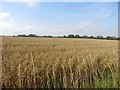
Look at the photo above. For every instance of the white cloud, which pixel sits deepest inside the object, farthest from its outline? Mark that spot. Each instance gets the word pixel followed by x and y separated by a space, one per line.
pixel 6 21
pixel 6 16
pixel 29 3
pixel 32 4
pixel 8 24
pixel 19 1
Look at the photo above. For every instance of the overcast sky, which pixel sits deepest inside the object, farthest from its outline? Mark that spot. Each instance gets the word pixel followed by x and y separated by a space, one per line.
pixel 59 18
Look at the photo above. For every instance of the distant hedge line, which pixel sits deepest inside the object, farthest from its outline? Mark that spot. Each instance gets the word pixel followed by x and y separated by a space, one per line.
pixel 71 36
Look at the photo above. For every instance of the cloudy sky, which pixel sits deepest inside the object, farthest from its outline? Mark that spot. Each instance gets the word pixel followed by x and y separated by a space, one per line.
pixel 59 18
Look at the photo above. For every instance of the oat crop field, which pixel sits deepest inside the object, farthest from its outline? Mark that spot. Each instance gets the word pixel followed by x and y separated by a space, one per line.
pixel 59 63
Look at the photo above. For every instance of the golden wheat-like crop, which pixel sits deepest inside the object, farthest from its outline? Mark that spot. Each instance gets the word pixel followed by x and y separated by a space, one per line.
pixel 59 63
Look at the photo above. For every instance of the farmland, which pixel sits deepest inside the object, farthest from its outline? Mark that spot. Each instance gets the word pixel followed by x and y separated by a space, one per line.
pixel 59 63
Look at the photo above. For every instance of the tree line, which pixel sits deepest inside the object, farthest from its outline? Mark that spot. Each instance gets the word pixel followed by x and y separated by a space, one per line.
pixel 70 36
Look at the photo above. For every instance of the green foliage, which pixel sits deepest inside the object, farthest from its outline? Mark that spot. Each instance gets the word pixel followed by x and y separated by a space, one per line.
pixel 77 36
pixel 71 36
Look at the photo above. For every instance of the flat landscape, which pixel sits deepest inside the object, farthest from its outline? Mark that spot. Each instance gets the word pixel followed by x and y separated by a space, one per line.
pixel 59 63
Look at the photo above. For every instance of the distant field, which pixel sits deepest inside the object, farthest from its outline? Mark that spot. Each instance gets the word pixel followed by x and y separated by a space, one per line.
pixel 59 62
